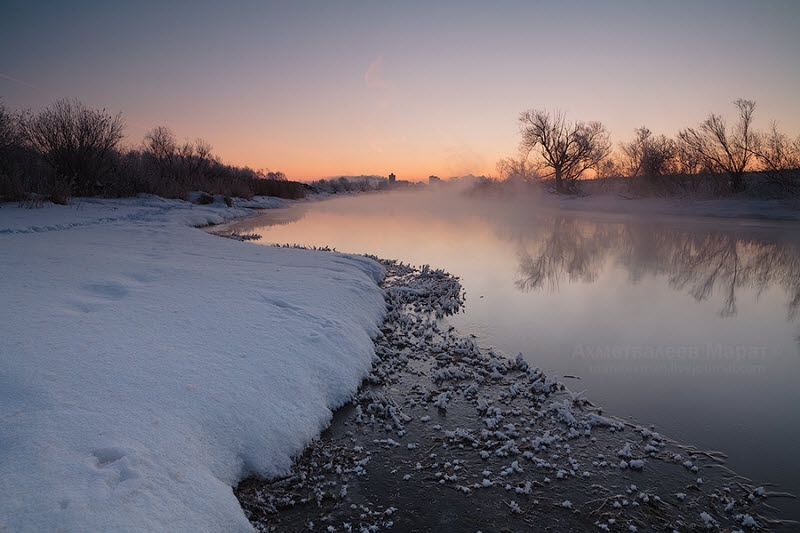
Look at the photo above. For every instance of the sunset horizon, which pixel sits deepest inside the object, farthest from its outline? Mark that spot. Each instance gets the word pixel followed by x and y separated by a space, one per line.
pixel 445 265
pixel 321 90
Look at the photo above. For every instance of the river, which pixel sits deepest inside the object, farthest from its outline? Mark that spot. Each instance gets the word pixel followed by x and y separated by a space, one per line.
pixel 691 324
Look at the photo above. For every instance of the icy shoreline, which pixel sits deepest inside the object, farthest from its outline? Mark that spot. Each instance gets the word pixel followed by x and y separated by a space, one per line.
pixel 127 403
pixel 449 436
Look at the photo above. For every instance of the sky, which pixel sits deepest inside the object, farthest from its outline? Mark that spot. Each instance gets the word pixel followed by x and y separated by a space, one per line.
pixel 321 89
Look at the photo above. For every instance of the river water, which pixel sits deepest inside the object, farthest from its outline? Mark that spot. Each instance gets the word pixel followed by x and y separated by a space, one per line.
pixel 691 324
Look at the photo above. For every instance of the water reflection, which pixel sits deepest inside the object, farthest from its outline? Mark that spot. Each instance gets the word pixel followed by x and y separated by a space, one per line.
pixel 704 265
pixel 572 290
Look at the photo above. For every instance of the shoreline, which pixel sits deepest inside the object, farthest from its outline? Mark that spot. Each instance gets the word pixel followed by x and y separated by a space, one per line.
pixel 446 434
pixel 120 267
pixel 152 365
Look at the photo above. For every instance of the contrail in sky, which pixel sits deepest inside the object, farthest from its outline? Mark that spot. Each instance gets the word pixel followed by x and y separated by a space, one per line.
pixel 20 82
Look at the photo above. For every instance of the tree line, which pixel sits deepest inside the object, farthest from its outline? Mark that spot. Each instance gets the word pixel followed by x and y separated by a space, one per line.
pixel 70 149
pixel 555 148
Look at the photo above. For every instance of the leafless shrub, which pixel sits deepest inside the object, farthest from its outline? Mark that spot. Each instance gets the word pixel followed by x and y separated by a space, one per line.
pixel 517 170
pixel 648 155
pixel 721 149
pixel 76 141
pixel 779 158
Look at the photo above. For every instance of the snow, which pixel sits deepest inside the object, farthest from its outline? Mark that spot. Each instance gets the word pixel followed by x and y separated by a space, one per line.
pixel 747 521
pixel 708 520
pixel 636 464
pixel 147 366
pixel 729 208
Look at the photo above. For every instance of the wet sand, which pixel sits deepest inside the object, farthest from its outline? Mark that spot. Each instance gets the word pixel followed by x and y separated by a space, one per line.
pixel 445 435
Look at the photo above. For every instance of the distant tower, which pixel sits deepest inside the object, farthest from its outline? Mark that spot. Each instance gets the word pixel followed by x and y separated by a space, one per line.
pixel 392 177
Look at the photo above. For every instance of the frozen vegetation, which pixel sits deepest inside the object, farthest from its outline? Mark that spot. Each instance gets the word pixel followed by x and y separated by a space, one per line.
pixel 447 436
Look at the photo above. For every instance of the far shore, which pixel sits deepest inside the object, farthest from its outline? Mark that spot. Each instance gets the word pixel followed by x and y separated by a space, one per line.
pixel 609 203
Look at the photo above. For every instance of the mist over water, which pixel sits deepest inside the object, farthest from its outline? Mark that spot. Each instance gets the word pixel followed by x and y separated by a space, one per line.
pixel 687 323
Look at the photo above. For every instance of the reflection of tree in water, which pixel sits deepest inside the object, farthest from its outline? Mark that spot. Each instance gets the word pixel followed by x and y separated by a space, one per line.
pixel 701 263
pixel 567 251
pixel 713 261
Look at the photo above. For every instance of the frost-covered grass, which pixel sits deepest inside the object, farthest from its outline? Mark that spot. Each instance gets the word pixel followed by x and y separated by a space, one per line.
pixel 146 366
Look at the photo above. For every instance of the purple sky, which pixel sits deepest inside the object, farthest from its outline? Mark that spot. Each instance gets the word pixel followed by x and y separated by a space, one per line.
pixel 416 88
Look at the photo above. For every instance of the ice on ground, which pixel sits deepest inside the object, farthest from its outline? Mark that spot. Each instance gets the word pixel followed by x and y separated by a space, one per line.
pixel 490 462
pixel 146 366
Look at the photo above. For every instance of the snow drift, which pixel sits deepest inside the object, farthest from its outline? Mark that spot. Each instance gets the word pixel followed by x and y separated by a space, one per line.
pixel 147 366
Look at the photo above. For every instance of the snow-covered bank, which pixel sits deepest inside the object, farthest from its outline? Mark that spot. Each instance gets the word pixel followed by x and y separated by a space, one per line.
pixel 445 435
pixel 147 366
pixel 720 207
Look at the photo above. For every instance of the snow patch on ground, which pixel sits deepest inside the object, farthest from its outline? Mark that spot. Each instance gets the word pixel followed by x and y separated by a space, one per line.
pixel 146 367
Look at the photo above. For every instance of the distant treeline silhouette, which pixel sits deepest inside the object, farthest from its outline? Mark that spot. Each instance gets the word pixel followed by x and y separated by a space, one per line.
pixel 350 184
pixel 714 158
pixel 70 149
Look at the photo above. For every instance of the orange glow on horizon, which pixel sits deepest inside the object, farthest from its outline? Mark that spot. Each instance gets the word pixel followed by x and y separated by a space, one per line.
pixel 330 90
pixel 301 165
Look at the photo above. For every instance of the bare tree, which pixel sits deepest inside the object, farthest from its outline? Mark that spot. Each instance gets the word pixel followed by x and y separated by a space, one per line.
pixel 512 170
pixel 722 150
pixel 182 162
pixel 160 144
pixel 196 158
pixel 609 168
pixel 779 159
pixel 633 152
pixel 277 176
pixel 8 127
pixel 202 150
pixel 75 140
pixel 567 148
pixel 11 155
pixel 659 157
pixel 647 154
pixel 9 138
pixel 687 161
